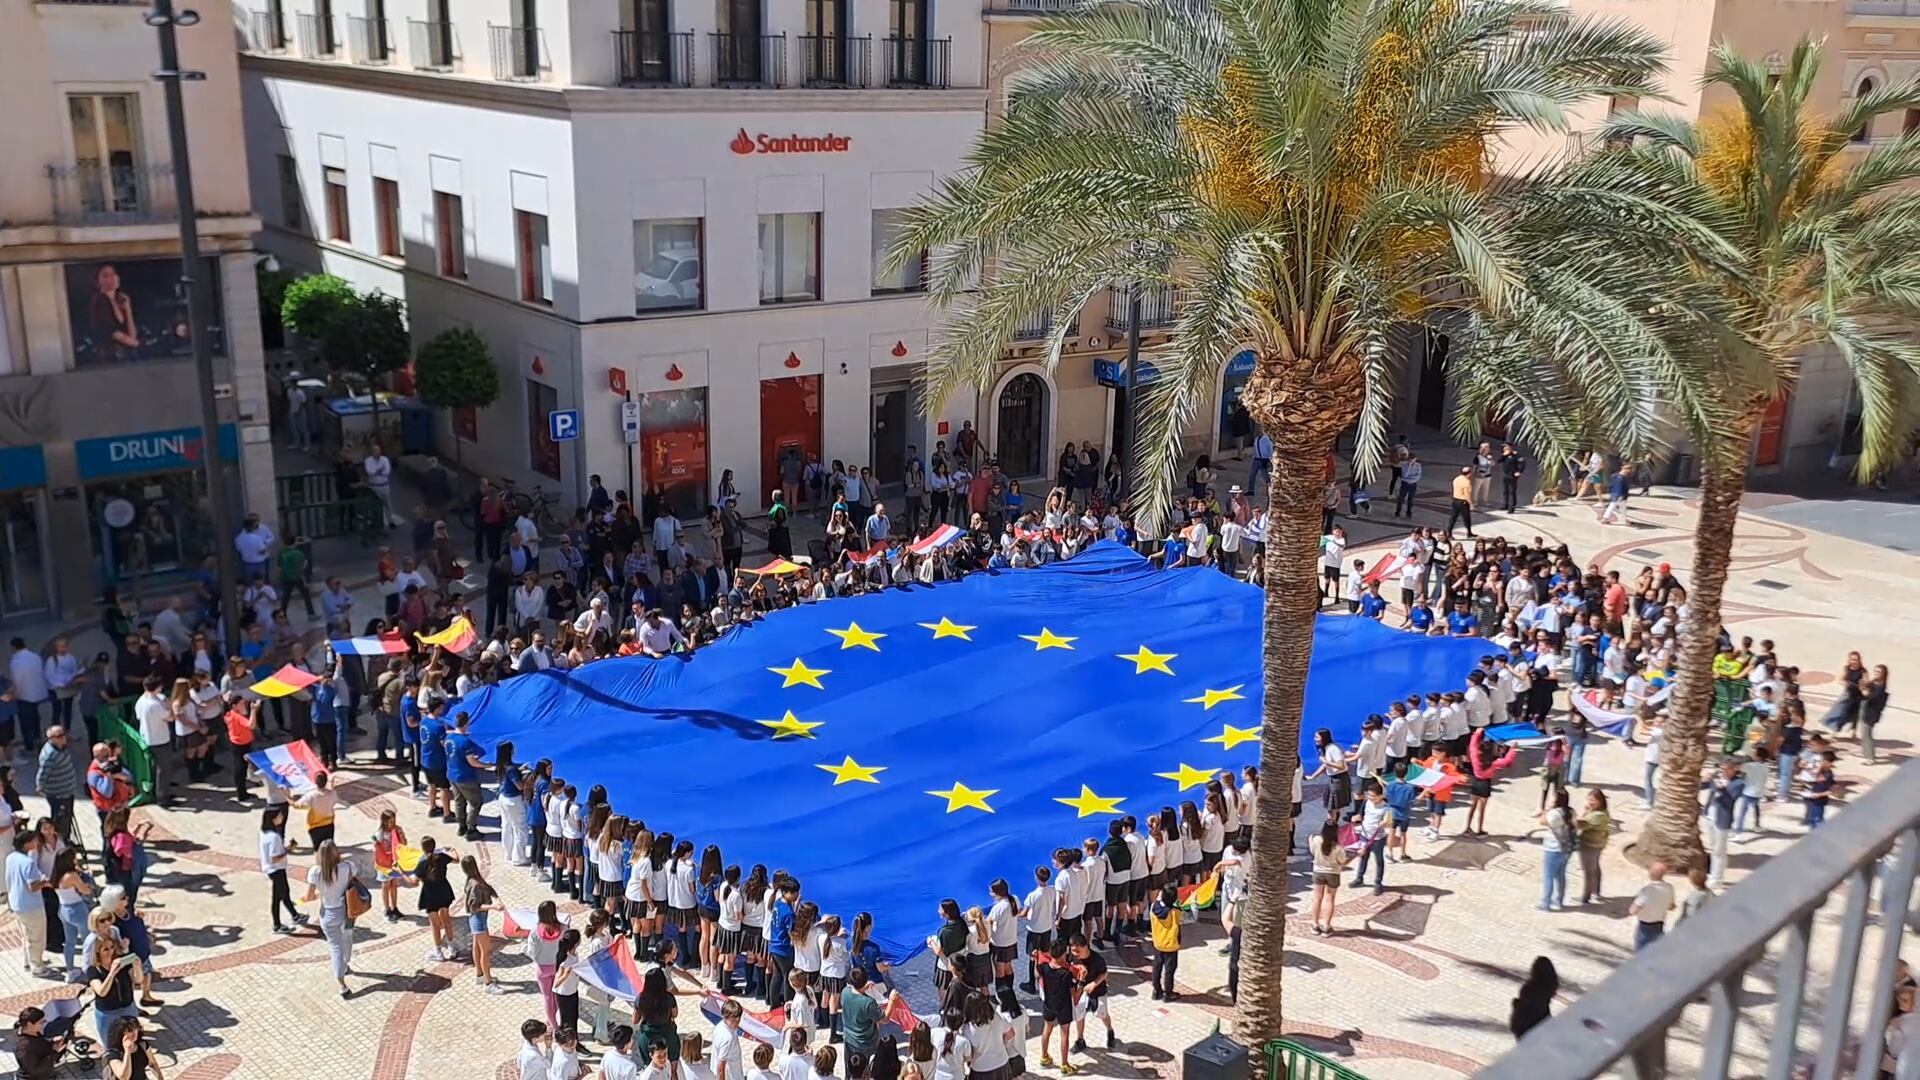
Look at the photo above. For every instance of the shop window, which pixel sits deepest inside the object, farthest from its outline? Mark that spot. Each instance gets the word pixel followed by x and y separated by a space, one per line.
pixel 789 258
pixel 339 221
pixel 386 213
pixel 910 277
pixel 666 262
pixel 450 229
pixel 543 452
pixel 466 423
pixel 1865 131
pixel 293 212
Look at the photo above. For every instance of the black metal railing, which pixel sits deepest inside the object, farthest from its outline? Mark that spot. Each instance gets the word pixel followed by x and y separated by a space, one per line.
pixel 317 40
pixel 432 46
pixel 1157 307
pixel 918 63
pixel 267 31
pixel 749 59
pixel 369 41
pixel 519 53
pixel 835 60
pixel 652 58
pixel 112 194
pixel 1038 325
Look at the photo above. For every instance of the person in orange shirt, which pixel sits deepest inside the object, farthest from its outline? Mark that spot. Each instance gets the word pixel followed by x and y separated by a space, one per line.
pixel 629 645
pixel 242 722
pixel 1462 500
pixel 1439 797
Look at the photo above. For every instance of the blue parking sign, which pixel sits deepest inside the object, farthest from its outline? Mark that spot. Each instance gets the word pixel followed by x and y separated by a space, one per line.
pixel 563 424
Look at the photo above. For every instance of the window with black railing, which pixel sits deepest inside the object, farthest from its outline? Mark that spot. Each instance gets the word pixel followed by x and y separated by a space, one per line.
pixel 921 63
pixel 653 57
pixel 835 60
pixel 432 45
pixel 749 59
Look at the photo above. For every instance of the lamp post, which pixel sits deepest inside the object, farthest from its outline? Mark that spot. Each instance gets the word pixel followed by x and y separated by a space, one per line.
pixel 165 20
pixel 1132 474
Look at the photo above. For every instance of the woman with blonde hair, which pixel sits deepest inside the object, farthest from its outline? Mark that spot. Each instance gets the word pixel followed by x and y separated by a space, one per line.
pixel 331 875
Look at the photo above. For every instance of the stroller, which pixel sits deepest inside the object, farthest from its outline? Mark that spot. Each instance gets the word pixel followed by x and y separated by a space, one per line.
pixel 62 1019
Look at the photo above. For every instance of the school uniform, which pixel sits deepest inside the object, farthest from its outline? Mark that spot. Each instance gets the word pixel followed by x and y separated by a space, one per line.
pixel 1043 908
pixel 1095 868
pixel 733 919
pixel 609 872
pixel 636 890
pixel 1137 860
pixel 835 960
pixel 1073 901
pixel 1213 840
pixel 753 923
pixel 680 897
pixel 1003 931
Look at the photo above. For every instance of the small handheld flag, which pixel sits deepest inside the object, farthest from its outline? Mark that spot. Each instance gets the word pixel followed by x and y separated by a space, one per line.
pixel 368 646
pixel 288 680
pixel 1196 897
pixel 291 765
pixel 937 539
pixel 862 558
pixel 458 637
pixel 775 567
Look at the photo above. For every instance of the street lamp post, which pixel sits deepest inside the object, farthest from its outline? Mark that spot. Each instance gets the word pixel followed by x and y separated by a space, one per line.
pixel 1132 470
pixel 164 21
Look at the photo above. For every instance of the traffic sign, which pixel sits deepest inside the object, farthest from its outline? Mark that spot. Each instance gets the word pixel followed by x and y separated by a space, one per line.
pixel 563 424
pixel 630 422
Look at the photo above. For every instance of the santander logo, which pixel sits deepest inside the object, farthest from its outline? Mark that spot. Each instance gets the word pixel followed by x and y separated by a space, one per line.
pixel 744 144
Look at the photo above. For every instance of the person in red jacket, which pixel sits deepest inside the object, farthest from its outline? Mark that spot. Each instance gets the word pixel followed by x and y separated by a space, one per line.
pixel 1486 768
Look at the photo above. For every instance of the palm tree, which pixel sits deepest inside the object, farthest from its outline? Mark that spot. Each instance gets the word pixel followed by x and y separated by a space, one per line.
pixel 1308 172
pixel 1818 246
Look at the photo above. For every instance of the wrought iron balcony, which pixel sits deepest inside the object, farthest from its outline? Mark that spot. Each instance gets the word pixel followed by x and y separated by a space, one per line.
pixel 1037 326
pixel 835 60
pixel 649 58
pixel 112 194
pixel 317 38
pixel 1158 304
pixel 749 59
pixel 1031 7
pixel 266 31
pixel 918 63
pixel 519 53
pixel 432 46
pixel 369 41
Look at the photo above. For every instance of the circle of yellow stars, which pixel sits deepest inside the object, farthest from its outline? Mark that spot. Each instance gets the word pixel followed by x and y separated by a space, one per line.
pixel 959 796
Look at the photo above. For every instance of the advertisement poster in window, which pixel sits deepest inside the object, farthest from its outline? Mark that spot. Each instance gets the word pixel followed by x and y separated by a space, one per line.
pixel 673 445
pixel 127 310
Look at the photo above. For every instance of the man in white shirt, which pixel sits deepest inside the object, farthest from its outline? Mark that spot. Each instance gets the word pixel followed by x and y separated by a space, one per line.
pixel 170 630
pixel 155 721
pixel 254 543
pixel 379 470
pixel 1479 706
pixel 29 674
pixel 1650 906
pixel 665 527
pixel 536 1051
pixel 658 635
pixel 1396 736
pixel 534 657
pixel 336 603
pixel 1231 534
pixel 529 603
pixel 1370 757
pixel 878 526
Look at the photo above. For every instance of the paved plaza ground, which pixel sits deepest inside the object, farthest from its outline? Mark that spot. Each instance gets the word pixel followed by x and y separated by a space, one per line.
pixel 1415 983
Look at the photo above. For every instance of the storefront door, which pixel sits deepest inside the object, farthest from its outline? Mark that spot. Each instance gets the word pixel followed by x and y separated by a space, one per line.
pixel 24 583
pixel 1020 435
pixel 673 449
pixel 892 408
pixel 789 430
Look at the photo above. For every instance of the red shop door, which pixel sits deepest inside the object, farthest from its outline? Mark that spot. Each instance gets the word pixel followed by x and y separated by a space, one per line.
pixel 789 424
pixel 1773 424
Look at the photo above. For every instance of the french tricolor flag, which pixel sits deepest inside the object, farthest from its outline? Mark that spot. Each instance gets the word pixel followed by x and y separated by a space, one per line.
pixel 291 765
pixel 937 539
pixel 384 645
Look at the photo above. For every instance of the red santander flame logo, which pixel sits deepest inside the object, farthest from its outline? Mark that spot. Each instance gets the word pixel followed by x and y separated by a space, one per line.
pixel 742 143
pixel 899 348
pixel 792 360
pixel 539 366
pixel 763 143
pixel 674 374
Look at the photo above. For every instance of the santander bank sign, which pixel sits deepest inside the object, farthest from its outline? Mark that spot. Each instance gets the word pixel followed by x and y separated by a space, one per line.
pixel 763 143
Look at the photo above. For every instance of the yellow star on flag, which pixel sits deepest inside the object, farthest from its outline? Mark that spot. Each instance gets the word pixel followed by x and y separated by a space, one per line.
pixel 791 726
pixel 1187 777
pixel 1210 698
pixel 1231 736
pixel 1145 660
pixel 1047 639
pixel 948 628
pixel 854 637
pixel 1090 804
pixel 850 770
pixel 960 796
pixel 798 673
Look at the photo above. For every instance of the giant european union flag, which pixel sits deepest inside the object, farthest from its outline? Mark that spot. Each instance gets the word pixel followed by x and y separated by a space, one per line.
pixel 893 749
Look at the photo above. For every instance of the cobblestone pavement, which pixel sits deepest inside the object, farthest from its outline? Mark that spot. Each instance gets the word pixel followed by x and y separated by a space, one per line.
pixel 1415 983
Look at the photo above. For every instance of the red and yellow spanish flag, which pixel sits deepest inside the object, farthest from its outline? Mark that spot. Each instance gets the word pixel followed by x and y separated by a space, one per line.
pixel 458 637
pixel 288 680
pixel 777 566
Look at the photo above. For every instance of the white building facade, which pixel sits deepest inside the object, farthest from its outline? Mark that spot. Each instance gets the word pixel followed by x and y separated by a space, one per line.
pixel 672 205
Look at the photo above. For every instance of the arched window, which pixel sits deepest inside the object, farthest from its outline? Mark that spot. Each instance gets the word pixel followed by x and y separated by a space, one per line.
pixel 1867 86
pixel 1021 435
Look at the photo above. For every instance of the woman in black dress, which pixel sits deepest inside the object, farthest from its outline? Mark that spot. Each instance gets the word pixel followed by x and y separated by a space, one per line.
pixel 436 895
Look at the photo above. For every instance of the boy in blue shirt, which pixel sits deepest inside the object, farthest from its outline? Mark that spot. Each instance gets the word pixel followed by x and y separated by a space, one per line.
pixel 1371 604
pixel 1400 796
pixel 410 730
pixel 1420 617
pixel 433 760
pixel 1461 623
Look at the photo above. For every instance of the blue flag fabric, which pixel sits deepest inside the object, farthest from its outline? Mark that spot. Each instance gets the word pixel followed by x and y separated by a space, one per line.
pixel 893 749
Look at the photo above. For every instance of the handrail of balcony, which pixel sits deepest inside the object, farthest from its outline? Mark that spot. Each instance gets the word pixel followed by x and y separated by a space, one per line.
pixel 749 59
pixel 650 58
pixel 1767 918
pixel 111 194
pixel 919 63
pixel 519 53
pixel 835 60
pixel 1040 324
pixel 432 46
pixel 369 41
pixel 1032 7
pixel 1158 307
pixel 266 32
pixel 317 40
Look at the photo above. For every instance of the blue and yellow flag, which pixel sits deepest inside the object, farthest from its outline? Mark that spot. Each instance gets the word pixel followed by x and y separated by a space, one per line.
pixel 894 749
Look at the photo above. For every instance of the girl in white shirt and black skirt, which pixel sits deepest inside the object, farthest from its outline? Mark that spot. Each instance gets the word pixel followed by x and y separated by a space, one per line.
pixel 682 921
pixel 757 908
pixel 732 923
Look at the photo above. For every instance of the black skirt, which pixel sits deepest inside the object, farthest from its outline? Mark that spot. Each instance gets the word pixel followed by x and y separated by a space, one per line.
pixel 728 941
pixel 435 896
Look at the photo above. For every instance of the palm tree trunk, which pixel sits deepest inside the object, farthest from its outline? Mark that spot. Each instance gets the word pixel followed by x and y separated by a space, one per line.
pixel 1673 833
pixel 1302 411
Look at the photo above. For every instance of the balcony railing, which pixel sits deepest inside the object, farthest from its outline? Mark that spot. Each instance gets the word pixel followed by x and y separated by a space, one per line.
pixel 369 41
pixel 1031 7
pixel 650 58
pixel 1764 928
pixel 267 31
pixel 1910 8
pixel 432 46
pixel 519 53
pixel 835 61
pixel 111 194
pixel 1157 308
pixel 749 59
pixel 1039 325
pixel 919 63
pixel 317 40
